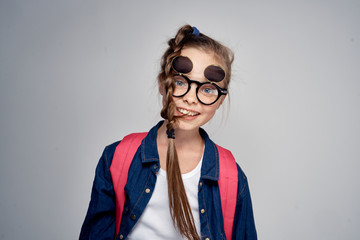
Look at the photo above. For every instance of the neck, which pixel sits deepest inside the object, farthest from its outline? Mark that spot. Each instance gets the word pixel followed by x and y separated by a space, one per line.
pixel 182 137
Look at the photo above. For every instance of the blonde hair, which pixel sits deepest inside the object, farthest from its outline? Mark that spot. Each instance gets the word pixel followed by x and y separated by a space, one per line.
pixel 179 205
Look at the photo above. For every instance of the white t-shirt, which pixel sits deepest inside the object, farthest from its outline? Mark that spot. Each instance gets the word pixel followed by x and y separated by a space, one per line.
pixel 155 222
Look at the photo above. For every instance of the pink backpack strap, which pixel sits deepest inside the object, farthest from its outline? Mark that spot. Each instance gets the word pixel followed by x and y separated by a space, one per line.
pixel 228 184
pixel 228 178
pixel 123 156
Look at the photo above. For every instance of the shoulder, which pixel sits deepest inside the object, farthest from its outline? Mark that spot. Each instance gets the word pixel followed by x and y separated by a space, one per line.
pixel 108 153
pixel 230 165
pixel 242 182
pixel 110 149
pixel 127 142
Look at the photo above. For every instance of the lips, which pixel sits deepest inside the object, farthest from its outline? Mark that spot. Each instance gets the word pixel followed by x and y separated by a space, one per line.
pixel 187 112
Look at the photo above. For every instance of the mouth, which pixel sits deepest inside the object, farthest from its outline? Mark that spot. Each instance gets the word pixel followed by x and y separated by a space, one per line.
pixel 187 112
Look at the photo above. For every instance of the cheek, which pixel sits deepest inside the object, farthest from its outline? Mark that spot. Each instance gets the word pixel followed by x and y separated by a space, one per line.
pixel 211 110
pixel 220 101
pixel 176 99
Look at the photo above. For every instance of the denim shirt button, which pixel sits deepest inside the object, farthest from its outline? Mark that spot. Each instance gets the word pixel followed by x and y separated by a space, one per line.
pixel 147 190
pixel 156 168
pixel 133 216
pixel 202 210
pixel 121 236
pixel 200 184
pixel 207 238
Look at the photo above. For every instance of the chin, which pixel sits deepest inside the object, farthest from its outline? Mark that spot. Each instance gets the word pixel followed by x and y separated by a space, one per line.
pixel 189 124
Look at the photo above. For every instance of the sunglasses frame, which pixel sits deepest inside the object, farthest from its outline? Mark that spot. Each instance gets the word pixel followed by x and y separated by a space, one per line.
pixel 172 66
pixel 221 91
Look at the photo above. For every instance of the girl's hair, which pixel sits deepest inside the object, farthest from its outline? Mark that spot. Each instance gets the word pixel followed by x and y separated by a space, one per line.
pixel 186 37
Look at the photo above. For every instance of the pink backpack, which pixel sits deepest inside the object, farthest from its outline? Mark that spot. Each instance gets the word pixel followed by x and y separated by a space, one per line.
pixel 228 178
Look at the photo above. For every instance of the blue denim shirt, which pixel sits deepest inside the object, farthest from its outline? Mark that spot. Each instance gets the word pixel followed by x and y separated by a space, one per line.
pixel 99 222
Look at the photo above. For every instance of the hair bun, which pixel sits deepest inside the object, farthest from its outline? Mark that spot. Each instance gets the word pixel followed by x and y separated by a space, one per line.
pixel 196 31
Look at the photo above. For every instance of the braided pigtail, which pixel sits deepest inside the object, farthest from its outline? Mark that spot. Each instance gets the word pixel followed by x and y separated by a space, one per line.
pixel 187 36
pixel 180 209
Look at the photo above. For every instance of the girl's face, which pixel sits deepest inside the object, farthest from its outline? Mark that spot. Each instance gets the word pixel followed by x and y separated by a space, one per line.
pixel 193 113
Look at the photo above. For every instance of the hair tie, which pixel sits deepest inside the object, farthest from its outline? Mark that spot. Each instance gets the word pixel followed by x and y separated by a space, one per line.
pixel 170 133
pixel 196 31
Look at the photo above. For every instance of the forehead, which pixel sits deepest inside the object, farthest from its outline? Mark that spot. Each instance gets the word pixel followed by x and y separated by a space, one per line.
pixel 200 59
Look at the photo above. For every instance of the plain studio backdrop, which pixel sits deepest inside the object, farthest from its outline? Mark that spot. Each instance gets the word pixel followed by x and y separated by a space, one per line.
pixel 79 75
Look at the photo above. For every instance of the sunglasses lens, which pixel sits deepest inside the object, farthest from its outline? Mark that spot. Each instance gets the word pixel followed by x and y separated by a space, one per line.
pixel 214 73
pixel 182 64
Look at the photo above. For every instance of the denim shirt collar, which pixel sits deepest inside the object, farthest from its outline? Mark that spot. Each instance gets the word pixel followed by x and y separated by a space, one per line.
pixel 210 165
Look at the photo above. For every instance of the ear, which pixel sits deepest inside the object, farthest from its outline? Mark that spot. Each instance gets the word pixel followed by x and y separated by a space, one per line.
pixel 161 88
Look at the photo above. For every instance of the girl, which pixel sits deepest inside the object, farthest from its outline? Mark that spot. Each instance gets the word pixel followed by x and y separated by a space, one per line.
pixel 180 185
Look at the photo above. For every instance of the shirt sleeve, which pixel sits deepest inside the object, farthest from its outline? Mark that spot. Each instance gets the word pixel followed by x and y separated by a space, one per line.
pixel 99 222
pixel 244 224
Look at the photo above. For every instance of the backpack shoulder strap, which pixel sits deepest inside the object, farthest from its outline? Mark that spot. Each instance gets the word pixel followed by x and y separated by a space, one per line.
pixel 228 178
pixel 228 184
pixel 123 156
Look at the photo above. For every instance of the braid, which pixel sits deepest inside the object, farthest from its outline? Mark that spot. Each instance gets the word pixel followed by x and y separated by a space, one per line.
pixel 178 202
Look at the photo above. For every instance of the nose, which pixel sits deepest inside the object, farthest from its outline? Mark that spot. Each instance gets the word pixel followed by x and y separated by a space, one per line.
pixel 190 96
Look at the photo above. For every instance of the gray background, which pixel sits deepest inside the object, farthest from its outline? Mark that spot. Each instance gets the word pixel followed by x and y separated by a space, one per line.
pixel 78 75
